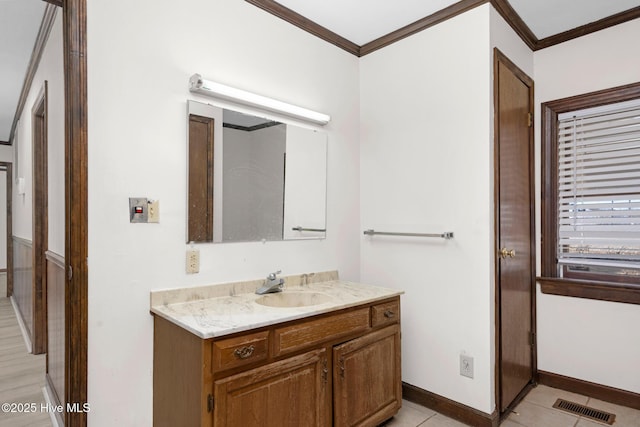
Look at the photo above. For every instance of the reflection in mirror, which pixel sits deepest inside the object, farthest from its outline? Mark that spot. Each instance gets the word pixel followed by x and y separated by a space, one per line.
pixel 200 185
pixel 253 175
pixel 269 178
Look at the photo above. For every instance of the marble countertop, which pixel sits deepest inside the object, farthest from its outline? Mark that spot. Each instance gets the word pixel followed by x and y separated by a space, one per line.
pixel 218 310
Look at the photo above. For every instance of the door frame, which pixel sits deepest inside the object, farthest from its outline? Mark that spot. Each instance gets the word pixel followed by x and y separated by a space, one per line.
pixel 500 58
pixel 7 167
pixel 76 206
pixel 40 226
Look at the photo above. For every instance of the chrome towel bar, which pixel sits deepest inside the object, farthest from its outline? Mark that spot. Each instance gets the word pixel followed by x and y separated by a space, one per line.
pixel 319 230
pixel 446 235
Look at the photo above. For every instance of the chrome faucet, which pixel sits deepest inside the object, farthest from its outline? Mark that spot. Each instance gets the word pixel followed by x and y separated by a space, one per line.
pixel 271 284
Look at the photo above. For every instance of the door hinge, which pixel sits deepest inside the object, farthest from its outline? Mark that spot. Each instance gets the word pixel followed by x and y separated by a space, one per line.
pixel 210 403
pixel 70 272
pixel 532 338
pixel 325 370
pixel 529 119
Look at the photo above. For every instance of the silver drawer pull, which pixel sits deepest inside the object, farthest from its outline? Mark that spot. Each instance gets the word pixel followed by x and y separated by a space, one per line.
pixel 244 352
pixel 389 314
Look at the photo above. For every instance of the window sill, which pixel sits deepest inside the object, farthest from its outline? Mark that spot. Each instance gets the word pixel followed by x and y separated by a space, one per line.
pixel 604 291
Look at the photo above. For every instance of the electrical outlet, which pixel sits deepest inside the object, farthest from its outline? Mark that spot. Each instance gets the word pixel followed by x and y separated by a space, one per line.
pixel 153 211
pixel 193 261
pixel 466 366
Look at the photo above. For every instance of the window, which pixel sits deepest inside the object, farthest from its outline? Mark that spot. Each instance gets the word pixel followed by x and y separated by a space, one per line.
pixel 598 213
pixel 591 195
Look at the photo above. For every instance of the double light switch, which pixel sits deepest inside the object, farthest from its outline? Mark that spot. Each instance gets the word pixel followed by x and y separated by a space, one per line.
pixel 143 210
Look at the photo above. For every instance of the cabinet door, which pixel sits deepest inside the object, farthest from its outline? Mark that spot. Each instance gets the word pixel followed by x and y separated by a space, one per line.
pixel 366 378
pixel 291 392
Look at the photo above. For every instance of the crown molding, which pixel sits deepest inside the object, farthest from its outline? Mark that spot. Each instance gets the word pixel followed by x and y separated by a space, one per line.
pixel 515 22
pixel 420 25
pixel 307 25
pixel 502 7
pixel 592 27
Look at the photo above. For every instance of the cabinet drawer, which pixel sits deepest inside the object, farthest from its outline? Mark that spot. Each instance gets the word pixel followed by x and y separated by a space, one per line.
pixel 386 313
pixel 306 334
pixel 239 351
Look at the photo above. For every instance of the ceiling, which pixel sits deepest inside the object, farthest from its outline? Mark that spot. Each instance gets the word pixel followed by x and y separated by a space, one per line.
pixel 19 24
pixel 359 21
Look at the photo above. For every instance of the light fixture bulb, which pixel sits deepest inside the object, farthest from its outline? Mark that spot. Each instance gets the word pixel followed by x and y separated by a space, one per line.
pixel 207 87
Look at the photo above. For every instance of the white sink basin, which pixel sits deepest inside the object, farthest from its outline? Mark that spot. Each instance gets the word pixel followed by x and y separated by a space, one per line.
pixel 293 299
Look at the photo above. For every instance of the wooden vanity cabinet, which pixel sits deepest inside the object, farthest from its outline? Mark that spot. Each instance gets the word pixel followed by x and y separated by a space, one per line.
pixel 182 377
pixel 290 392
pixel 341 369
pixel 366 379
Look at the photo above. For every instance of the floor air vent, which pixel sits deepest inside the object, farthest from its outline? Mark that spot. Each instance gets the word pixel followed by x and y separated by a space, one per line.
pixel 585 411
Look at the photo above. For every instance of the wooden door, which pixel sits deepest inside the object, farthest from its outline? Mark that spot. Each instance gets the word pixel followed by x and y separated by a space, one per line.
pixel 366 379
pixel 200 170
pixel 515 231
pixel 291 392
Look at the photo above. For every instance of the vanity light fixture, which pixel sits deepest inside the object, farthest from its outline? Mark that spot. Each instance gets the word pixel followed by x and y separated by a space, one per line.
pixel 207 87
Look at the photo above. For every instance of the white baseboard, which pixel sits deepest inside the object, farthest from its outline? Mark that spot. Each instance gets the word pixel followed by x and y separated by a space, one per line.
pixel 23 328
pixel 56 417
pixel 3 283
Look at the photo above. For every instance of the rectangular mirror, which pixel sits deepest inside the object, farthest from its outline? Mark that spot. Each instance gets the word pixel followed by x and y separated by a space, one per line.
pixel 251 178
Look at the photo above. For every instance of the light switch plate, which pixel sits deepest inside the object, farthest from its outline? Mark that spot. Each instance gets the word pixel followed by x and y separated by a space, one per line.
pixel 141 202
pixel 154 211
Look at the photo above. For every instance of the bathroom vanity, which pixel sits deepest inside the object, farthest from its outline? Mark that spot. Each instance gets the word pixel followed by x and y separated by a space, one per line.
pixel 318 354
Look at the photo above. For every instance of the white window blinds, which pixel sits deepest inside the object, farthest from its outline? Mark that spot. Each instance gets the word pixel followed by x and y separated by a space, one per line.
pixel 599 188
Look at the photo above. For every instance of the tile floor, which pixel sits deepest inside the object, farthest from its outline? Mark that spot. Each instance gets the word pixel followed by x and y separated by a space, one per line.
pixel 534 411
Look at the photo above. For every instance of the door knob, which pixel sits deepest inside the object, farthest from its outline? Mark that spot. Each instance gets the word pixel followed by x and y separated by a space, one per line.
pixel 504 253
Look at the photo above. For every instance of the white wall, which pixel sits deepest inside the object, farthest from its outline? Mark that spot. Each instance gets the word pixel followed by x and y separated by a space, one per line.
pixel 53 57
pixel 598 341
pixel 6 153
pixel 51 70
pixel 426 155
pixel 511 45
pixel 422 153
pixel 141 56
pixel 23 170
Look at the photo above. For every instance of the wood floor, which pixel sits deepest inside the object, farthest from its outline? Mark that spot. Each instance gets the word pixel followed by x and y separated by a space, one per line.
pixel 22 375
